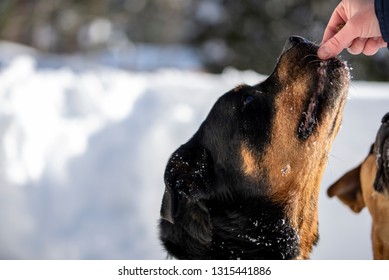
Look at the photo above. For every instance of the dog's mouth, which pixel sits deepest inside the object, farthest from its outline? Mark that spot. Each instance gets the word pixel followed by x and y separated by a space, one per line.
pixel 381 183
pixel 328 77
pixel 329 73
pixel 309 116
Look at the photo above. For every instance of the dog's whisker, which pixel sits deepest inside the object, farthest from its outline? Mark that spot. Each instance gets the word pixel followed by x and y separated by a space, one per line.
pixel 309 56
pixel 337 158
pixel 315 61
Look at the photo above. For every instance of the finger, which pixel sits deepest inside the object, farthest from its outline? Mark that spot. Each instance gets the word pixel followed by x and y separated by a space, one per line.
pixel 338 17
pixel 372 46
pixel 357 46
pixel 338 42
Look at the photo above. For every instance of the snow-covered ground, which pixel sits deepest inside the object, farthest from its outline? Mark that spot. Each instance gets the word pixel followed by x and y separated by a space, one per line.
pixel 83 148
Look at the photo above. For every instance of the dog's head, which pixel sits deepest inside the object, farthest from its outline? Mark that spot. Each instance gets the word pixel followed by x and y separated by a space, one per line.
pixel 267 142
pixel 368 185
pixel 355 188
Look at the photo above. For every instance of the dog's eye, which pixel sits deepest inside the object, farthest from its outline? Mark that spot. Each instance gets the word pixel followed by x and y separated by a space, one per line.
pixel 247 99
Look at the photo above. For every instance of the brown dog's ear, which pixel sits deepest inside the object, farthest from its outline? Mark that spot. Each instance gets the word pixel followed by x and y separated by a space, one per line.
pixel 348 190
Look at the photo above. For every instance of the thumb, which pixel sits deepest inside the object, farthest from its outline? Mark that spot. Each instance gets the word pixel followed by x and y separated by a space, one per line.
pixel 337 43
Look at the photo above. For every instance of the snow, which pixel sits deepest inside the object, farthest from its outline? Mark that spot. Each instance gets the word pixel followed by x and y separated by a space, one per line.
pixel 83 147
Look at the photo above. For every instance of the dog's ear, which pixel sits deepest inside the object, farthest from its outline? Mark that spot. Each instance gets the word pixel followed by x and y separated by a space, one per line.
pixel 348 190
pixel 188 179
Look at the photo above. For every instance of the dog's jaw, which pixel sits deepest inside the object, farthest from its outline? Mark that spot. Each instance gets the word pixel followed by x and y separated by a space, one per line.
pixel 295 165
pixel 320 94
pixel 309 116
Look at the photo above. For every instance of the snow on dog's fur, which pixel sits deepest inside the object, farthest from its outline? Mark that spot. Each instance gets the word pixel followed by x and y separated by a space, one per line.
pixel 246 185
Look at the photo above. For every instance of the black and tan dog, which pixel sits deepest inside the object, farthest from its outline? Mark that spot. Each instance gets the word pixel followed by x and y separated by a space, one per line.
pixel 368 185
pixel 246 185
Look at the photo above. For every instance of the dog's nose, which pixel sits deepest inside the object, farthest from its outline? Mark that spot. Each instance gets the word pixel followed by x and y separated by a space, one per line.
pixel 293 41
pixel 297 39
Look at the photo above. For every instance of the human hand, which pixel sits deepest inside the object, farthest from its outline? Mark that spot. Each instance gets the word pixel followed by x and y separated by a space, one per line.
pixel 360 33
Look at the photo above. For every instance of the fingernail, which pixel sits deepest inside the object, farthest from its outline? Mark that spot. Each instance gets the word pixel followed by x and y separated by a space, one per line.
pixel 323 53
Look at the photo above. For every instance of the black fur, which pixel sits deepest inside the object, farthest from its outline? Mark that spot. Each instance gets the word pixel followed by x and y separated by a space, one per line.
pixel 381 145
pixel 210 210
pixel 253 229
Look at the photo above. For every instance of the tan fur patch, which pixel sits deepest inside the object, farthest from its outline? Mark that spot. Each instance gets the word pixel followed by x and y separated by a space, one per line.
pixel 250 167
pixel 378 206
pixel 305 161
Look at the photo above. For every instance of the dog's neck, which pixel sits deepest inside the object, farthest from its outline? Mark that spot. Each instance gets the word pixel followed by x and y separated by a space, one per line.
pixel 302 208
pixel 378 205
pixel 293 184
pixel 253 229
pixel 380 238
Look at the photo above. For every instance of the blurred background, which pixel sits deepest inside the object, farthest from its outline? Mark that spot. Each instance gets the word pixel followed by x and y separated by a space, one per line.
pixel 217 33
pixel 96 95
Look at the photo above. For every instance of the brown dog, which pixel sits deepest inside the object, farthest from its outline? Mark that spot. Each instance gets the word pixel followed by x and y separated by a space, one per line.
pixel 246 185
pixel 368 185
